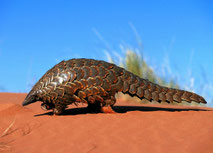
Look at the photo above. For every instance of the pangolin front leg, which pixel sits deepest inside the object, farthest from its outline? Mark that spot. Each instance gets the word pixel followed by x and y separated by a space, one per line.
pixel 59 109
pixel 47 106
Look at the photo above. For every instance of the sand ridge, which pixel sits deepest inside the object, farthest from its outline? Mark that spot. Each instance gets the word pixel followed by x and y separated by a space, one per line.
pixel 135 128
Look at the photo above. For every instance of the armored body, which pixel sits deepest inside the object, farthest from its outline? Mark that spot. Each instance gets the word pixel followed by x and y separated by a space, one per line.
pixel 96 82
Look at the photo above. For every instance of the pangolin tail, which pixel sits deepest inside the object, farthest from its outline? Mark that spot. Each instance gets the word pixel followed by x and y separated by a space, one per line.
pixel 143 88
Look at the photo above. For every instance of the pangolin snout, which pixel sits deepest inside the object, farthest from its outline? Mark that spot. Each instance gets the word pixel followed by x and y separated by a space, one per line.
pixel 31 98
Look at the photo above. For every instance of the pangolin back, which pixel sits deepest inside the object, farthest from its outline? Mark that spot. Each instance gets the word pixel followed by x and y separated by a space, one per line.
pixel 96 82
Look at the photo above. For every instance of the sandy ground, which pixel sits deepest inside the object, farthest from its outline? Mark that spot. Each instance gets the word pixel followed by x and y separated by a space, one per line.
pixel 135 128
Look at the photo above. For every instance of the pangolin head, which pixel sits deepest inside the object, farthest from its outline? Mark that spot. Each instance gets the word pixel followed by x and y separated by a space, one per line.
pixel 31 98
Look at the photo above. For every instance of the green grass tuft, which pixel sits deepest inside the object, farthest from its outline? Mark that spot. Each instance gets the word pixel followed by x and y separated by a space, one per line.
pixel 135 63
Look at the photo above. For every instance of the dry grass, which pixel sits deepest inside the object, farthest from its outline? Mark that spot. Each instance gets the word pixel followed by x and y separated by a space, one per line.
pixel 133 61
pixel 4 146
pixel 7 130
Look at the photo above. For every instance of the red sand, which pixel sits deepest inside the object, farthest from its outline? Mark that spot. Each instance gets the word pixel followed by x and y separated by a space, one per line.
pixel 136 129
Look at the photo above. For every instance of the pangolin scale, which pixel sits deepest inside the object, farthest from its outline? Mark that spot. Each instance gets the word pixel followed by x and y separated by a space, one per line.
pixel 96 82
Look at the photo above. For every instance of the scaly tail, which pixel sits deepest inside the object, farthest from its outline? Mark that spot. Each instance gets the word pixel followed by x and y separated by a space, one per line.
pixel 142 88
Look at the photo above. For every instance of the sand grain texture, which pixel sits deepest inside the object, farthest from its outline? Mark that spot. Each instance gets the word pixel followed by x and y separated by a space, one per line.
pixel 135 129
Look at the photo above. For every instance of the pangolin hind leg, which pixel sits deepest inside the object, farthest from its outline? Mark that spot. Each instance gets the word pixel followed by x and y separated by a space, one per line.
pixel 106 106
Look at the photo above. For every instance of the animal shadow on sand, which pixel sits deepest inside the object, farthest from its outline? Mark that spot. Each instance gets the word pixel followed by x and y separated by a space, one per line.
pixel 124 109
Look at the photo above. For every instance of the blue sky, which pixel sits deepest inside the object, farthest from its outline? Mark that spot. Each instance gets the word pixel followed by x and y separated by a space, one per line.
pixel 35 35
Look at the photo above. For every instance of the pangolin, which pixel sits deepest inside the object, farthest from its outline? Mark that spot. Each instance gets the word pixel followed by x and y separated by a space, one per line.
pixel 96 82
